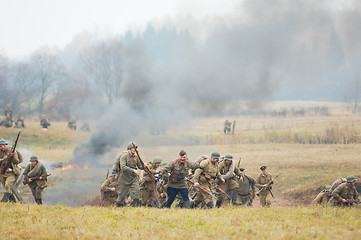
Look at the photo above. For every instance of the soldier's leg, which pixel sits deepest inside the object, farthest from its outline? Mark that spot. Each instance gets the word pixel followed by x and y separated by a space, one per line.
pixel 38 195
pixel 172 193
pixel 184 193
pixel 122 193
pixel 222 198
pixel 145 194
pixel 134 191
pixel 198 199
pixel 268 199
pixel 262 199
pixel 233 186
pixel 10 180
pixel 207 198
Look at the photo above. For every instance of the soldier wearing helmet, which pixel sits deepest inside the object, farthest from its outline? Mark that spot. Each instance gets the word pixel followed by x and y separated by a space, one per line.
pixel 345 193
pixel 147 186
pixel 109 190
pixel 323 197
pixel 128 180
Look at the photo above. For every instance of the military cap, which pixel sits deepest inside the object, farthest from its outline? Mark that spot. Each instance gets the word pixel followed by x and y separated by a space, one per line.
pixel 242 169
pixel 182 153
pixel 3 142
pixel 263 167
pixel 130 145
pixel 328 188
pixel 157 160
pixel 228 156
pixel 215 155
pixel 351 178
pixel 113 173
pixel 33 158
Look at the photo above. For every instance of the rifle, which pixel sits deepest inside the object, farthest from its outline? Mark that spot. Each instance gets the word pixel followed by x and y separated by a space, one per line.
pixel 349 202
pixel 202 188
pixel 220 189
pixel 146 169
pixel 7 163
pixel 267 186
pixel 35 178
pixel 102 194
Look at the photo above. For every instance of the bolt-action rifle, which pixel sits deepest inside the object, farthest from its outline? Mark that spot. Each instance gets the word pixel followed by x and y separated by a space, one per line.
pixel 221 190
pixel 267 187
pixel 202 188
pixel 35 178
pixel 7 162
pixel 349 202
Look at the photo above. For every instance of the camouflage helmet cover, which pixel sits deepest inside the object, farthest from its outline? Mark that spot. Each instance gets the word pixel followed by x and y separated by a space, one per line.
pixel 34 158
pixel 157 160
pixel 130 145
pixel 228 157
pixel 328 188
pixel 215 155
pixel 3 142
pixel 351 179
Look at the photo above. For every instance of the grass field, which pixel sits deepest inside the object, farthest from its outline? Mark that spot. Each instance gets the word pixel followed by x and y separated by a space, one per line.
pixel 284 144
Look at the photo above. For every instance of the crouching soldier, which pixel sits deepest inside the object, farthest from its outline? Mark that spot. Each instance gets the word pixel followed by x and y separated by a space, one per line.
pixel 147 187
pixel 36 177
pixel 205 177
pixel 109 190
pixel 323 197
pixel 345 194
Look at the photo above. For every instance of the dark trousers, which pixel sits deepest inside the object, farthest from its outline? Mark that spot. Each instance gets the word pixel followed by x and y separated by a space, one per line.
pixel 172 193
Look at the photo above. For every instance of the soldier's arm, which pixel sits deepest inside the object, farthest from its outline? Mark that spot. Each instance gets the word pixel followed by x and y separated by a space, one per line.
pixel 15 159
pixel 197 174
pixel 237 172
pixel 355 196
pixel 317 200
pixel 43 172
pixel 252 182
pixel 167 169
pixel 123 165
pixel 105 187
pixel 336 193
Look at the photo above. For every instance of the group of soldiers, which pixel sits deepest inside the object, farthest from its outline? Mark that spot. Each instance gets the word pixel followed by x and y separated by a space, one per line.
pixel 208 182
pixel 342 192
pixel 35 175
pixel 9 121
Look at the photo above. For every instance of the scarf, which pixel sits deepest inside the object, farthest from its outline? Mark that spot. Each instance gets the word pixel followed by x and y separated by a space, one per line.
pixel 35 170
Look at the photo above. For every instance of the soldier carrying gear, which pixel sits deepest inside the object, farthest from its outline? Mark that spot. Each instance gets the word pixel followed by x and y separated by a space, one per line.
pixel 109 190
pixel 147 186
pixel 345 194
pixel 228 171
pixel 44 122
pixel 246 191
pixel 72 124
pixel 178 170
pixel 11 174
pixel 227 127
pixel 205 177
pixel 36 176
pixel 337 182
pixel 128 179
pixel 264 180
pixel 323 197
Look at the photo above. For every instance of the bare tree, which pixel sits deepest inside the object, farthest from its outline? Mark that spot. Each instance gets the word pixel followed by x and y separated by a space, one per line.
pixel 102 63
pixel 47 71
pixel 355 92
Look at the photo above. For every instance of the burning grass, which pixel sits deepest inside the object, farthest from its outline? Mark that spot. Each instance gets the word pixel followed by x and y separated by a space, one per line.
pixel 59 222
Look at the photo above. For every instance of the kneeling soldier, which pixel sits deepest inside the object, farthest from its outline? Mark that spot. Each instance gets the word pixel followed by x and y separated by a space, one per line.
pixel 323 197
pixel 109 190
pixel 147 187
pixel 345 194
pixel 35 174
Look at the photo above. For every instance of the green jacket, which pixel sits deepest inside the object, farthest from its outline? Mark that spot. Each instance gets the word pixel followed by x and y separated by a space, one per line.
pixel 246 186
pixel 42 172
pixel 127 164
pixel 178 172
pixel 345 192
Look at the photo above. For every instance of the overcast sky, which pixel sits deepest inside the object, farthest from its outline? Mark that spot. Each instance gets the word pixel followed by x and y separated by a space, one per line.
pixel 25 25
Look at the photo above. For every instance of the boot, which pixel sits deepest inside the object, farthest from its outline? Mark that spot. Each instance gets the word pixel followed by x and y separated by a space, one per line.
pixel 234 197
pixel 119 204
pixel 210 205
pixel 12 198
pixel 135 202
pixel 187 204
pixel 218 204
pixel 5 197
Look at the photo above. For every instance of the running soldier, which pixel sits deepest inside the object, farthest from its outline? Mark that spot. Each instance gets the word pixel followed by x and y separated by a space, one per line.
pixel 264 182
pixel 147 186
pixel 246 191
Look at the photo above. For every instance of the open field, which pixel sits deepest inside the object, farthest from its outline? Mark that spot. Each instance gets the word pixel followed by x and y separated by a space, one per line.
pixel 283 144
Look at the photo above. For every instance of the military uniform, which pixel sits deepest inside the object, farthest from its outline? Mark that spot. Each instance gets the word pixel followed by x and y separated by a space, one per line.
pixel 246 191
pixel 344 191
pixel 72 124
pixel 206 175
pixel 36 186
pixel 109 196
pixel 264 196
pixel 11 174
pixel 147 187
pixel 228 173
pixel 44 123
pixel 176 180
pixel 128 180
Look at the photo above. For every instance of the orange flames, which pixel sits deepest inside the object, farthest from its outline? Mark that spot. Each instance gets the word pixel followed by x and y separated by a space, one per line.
pixel 74 166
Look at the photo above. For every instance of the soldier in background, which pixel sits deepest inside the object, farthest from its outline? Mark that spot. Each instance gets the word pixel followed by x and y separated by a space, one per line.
pixel 147 186
pixel 8 112
pixel 345 194
pixel 20 122
pixel 36 170
pixel 246 190
pixel 228 170
pixel 205 177
pixel 109 190
pixel 262 181
pixel 227 127
pixel 9 177
pixel 85 127
pixel 323 197
pixel 44 122
pixel 128 179
pixel 72 124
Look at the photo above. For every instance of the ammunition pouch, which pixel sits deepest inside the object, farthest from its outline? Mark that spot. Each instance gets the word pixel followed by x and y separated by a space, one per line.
pixel 173 178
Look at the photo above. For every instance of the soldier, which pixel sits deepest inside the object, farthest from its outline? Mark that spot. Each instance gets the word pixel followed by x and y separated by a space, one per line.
pixel 36 176
pixel 345 194
pixel 128 179
pixel 12 173
pixel 178 170
pixel 246 191
pixel 72 124
pixel 337 182
pixel 147 187
pixel 227 170
pixel 323 197
pixel 20 122
pixel 205 177
pixel 264 181
pixel 8 113
pixel 227 127
pixel 109 190
pixel 44 122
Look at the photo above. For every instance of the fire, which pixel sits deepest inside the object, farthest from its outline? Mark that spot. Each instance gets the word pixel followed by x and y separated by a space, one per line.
pixel 74 166
pixel 86 166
